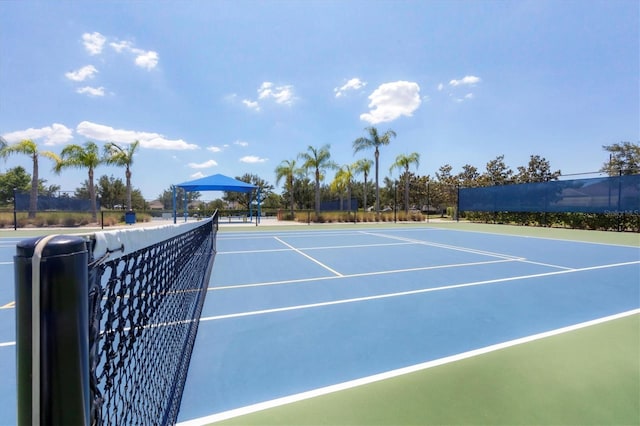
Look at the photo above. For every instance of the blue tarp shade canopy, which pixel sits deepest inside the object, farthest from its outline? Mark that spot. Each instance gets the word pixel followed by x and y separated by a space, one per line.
pixel 215 183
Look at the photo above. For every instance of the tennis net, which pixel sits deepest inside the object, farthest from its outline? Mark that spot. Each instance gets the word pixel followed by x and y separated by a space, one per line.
pixel 142 291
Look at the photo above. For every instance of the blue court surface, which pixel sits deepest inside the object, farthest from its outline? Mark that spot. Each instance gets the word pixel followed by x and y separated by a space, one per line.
pixel 293 311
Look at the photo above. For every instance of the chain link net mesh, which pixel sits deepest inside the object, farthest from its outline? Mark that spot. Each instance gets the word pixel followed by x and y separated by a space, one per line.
pixel 144 313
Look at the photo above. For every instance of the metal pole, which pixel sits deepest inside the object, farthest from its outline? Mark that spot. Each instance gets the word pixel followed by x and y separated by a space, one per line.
pixel 52 330
pixel 15 215
pixel 457 203
pixel 175 214
pixel 395 203
pixel 185 206
pixel 428 202
pixel 620 213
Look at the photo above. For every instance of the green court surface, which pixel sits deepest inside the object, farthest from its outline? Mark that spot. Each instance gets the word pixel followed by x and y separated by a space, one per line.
pixel 589 376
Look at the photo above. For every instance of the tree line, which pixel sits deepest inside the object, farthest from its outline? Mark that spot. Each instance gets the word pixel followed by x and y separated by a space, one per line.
pixel 304 185
pixel 303 176
pixel 87 156
pixel 624 158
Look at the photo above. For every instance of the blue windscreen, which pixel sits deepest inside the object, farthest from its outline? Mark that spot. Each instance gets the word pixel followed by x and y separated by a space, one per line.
pixel 54 203
pixel 619 194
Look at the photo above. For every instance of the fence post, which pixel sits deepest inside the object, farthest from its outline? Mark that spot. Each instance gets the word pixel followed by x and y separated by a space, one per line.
pixel 52 330
pixel 457 203
pixel 15 215
pixel 428 202
pixel 620 213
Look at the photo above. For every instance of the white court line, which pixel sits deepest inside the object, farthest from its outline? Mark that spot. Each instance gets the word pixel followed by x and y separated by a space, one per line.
pixel 310 258
pixel 535 237
pixel 252 251
pixel 304 234
pixel 544 264
pixel 358 246
pixel 412 292
pixel 7 344
pixel 6 263
pixel 481 252
pixel 398 372
pixel 360 274
pixel 446 246
pixel 315 248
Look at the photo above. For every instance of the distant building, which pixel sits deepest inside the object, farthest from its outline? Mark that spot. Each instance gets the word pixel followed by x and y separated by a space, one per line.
pixel 155 205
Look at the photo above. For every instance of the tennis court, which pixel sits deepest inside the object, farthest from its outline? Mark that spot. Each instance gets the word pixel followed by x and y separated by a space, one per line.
pixel 296 314
pixel 322 326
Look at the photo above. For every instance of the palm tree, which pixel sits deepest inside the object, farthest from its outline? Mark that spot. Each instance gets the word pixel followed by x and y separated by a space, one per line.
pixel 403 162
pixel 288 170
pixel 318 159
pixel 374 141
pixel 3 145
pixel 121 157
pixel 339 185
pixel 82 157
pixel 28 147
pixel 342 181
pixel 363 166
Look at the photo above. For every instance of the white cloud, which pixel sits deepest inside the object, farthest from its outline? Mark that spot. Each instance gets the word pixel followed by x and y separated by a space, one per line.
pixel 93 42
pixel 268 91
pixel 214 149
pixel 467 80
pixel 392 100
pixel 143 58
pixel 254 105
pixel 280 94
pixel 198 175
pixel 148 60
pixel 466 97
pixel 205 165
pixel 241 143
pixel 252 159
pixel 121 45
pixel 56 134
pixel 440 87
pixel 91 91
pixel 82 74
pixel 353 84
pixel 264 90
pixel 147 140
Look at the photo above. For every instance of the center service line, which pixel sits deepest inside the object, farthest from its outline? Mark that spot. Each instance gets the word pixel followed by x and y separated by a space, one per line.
pixel 333 271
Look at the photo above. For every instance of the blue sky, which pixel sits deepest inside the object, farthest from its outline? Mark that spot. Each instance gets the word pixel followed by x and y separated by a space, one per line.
pixel 235 87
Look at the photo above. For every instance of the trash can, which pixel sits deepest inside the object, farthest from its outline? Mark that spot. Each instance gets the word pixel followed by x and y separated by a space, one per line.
pixel 130 217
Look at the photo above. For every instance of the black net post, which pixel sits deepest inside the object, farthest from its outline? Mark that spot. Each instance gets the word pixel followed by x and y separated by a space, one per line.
pixel 52 335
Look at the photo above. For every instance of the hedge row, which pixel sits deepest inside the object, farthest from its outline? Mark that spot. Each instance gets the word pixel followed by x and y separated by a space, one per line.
pixel 593 221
